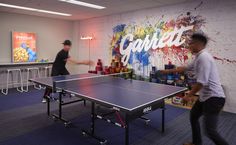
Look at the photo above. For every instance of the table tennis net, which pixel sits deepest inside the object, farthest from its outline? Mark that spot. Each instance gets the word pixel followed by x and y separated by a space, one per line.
pixel 92 80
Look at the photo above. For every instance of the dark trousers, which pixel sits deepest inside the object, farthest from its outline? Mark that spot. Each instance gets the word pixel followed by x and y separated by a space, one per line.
pixel 210 110
pixel 48 91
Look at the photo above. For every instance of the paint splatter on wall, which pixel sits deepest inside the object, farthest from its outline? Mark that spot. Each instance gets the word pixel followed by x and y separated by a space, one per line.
pixel 224 60
pixel 167 35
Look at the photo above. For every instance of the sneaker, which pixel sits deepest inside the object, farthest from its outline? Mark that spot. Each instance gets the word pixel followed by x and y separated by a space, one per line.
pixel 44 100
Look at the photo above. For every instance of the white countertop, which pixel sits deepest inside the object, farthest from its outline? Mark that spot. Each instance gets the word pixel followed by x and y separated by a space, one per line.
pixel 24 63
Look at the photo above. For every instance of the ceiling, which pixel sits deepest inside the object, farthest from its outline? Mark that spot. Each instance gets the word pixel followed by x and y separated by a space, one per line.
pixel 80 12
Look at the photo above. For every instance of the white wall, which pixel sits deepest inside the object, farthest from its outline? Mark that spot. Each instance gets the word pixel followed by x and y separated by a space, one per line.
pixel 50 34
pixel 74 52
pixel 220 25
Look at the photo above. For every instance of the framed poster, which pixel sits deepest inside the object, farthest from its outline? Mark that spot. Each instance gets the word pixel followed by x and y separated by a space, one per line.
pixel 24 47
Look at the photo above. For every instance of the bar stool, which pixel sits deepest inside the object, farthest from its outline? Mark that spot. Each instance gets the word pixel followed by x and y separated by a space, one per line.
pixel 47 71
pixel 2 71
pixel 32 73
pixel 19 80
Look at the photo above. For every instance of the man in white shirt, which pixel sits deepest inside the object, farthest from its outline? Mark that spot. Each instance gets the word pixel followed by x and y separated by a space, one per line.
pixel 211 99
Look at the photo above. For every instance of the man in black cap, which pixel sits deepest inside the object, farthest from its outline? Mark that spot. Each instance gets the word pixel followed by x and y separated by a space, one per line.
pixel 59 65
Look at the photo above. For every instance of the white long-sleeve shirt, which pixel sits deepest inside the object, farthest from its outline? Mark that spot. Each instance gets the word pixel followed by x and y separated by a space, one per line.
pixel 206 73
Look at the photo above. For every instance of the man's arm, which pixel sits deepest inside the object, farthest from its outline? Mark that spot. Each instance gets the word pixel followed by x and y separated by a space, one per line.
pixel 87 62
pixel 195 88
pixel 181 69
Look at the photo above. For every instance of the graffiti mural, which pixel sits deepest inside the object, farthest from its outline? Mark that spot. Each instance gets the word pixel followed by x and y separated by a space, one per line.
pixel 155 43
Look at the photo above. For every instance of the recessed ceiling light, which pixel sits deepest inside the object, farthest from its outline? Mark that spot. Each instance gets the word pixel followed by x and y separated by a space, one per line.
pixel 76 2
pixel 33 9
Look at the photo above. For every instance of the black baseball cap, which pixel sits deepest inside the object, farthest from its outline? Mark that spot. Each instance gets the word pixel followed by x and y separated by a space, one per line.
pixel 67 42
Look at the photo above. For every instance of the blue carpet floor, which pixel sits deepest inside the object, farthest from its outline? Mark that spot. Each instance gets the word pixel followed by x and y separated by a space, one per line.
pixel 57 134
pixel 24 122
pixel 16 100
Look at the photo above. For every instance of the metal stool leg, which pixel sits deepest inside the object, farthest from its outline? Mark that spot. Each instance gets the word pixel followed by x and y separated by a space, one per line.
pixel 20 89
pixel 35 73
pixel 27 82
pixel 45 72
pixel 12 78
pixel 38 75
pixel 5 91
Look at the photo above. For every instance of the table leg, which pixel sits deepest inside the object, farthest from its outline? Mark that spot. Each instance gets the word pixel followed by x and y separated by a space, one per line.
pixel 91 132
pixel 127 130
pixel 84 102
pixel 60 107
pixel 59 116
pixel 163 120
pixel 48 106
pixel 93 118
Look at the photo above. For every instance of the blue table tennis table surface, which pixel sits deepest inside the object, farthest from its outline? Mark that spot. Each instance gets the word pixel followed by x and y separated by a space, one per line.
pixel 117 92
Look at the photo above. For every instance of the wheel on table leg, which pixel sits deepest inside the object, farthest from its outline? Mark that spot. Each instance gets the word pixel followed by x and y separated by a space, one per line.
pixel 84 134
pixel 103 142
pixel 59 101
pixel 147 122
pixel 54 118
pixel 67 124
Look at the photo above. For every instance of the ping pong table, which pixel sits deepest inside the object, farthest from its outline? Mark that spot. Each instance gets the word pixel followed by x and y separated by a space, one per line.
pixel 126 98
